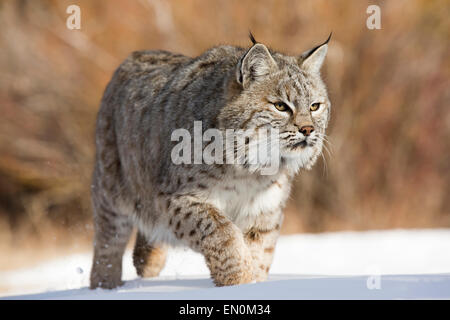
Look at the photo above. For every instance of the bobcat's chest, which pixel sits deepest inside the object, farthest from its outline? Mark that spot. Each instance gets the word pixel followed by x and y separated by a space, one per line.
pixel 245 200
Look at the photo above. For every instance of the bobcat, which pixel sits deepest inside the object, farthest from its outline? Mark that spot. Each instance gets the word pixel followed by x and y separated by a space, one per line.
pixel 230 213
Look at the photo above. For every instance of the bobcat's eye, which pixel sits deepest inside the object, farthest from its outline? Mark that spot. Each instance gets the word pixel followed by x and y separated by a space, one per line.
pixel 315 106
pixel 281 106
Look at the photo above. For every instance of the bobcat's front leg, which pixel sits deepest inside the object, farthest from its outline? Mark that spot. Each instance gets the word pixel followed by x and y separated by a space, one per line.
pixel 261 240
pixel 206 230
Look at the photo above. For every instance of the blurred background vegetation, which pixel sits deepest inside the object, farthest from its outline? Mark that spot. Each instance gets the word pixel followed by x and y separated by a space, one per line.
pixel 390 130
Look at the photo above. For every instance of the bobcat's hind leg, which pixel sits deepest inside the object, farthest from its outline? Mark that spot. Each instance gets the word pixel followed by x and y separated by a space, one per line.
pixel 112 231
pixel 148 259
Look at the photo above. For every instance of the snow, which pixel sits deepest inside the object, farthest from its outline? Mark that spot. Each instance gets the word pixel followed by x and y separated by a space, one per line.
pixel 395 264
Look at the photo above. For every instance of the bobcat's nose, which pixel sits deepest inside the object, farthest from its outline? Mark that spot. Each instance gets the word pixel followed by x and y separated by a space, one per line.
pixel 306 130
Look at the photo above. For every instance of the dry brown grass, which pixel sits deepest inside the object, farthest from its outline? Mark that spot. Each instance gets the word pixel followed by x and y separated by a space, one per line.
pixel 390 130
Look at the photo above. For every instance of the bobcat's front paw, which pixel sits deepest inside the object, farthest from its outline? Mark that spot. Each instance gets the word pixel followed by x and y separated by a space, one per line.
pixel 232 271
pixel 240 276
pixel 261 273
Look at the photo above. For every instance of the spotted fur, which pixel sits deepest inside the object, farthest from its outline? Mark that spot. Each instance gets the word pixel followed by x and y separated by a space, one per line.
pixel 230 213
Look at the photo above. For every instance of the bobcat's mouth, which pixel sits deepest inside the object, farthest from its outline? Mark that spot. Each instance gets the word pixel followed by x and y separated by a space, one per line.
pixel 301 144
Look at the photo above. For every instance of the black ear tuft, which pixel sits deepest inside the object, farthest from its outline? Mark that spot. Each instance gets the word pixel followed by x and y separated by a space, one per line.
pixel 252 38
pixel 329 37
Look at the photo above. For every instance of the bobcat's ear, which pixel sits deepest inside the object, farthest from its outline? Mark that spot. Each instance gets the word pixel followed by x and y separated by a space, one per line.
pixel 255 64
pixel 312 60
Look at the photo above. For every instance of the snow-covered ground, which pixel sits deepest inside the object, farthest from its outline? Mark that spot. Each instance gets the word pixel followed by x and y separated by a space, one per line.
pixel 397 264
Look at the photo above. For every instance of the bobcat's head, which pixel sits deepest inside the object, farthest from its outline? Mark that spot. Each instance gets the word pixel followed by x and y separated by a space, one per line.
pixel 285 93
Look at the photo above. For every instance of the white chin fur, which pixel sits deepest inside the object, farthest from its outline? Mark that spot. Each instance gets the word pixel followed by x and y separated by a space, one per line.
pixel 294 161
